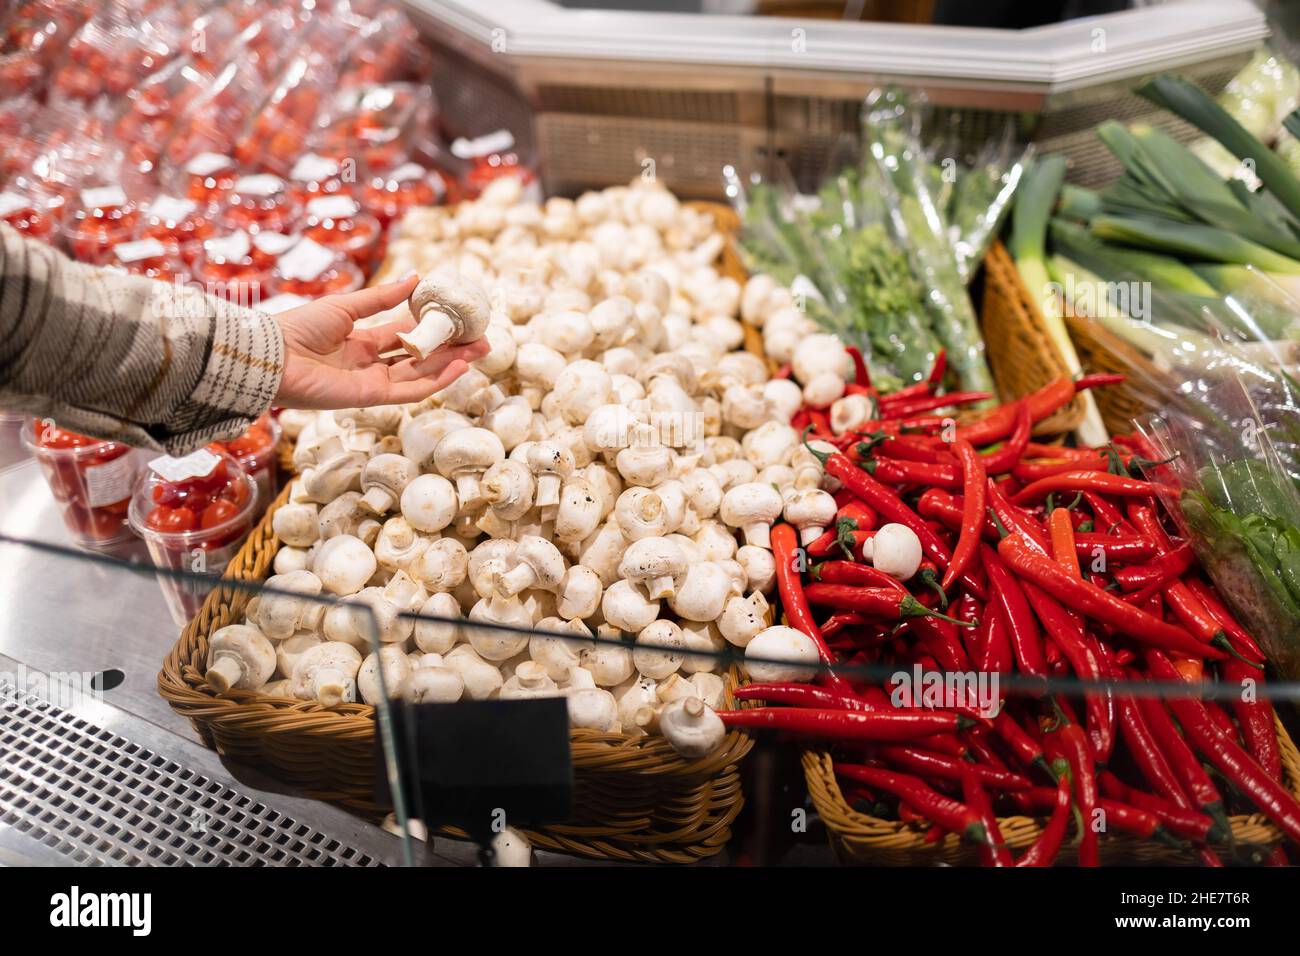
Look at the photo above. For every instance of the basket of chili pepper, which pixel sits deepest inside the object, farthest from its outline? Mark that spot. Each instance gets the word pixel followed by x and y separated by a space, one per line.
pixel 977 551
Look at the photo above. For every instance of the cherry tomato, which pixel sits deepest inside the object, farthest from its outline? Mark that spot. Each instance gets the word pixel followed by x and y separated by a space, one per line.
pixel 218 513
pixel 171 520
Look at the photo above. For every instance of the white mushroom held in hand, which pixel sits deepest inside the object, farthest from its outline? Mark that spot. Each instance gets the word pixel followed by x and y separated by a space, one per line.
pixel 449 308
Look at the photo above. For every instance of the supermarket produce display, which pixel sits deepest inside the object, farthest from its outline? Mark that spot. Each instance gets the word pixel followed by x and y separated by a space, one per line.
pixel 940 499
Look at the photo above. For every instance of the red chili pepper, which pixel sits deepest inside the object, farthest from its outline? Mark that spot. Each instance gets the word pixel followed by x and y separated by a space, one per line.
pixel 926 764
pixel 1027 750
pixel 1043 851
pixel 1029 471
pixel 1246 645
pixel 1165 567
pixel 949 814
pixel 995 852
pixel 783 371
pixel 821 423
pixel 1038 450
pixel 838 622
pixel 995 643
pixel 901 472
pixel 916 406
pixel 1178 820
pixel 803 695
pixel 911 448
pixel 1194 616
pixel 860 374
pixel 1255 717
pixel 1015 520
pixel 862 515
pixel 836 724
pixel 1041 404
pixel 1064 550
pixel 1091 601
pixel 1108 516
pixel 887 503
pixel 1117 549
pixel 1080 479
pixel 1067 636
pixel 974 481
pixel 1005 458
pixel 848 572
pixel 938 368
pixel 1239 767
pixel 1069 737
pixel 1022 626
pixel 1195 781
pixel 885 602
pixel 785 541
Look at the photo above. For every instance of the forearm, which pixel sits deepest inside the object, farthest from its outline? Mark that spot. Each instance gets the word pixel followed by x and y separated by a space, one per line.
pixel 127 358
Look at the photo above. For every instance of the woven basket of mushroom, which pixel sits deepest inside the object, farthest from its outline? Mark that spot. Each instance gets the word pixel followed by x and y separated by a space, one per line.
pixel 601 473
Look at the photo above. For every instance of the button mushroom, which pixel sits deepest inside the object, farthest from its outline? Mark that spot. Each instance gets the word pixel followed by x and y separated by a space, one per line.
pixel 579 593
pixel 344 564
pixel 429 503
pixel 280 613
pixel 691 728
pixel 894 549
pixel 383 480
pixel 647 656
pixel 536 563
pixel 810 510
pixel 239 658
pixel 434 685
pixel 436 630
pixel 752 508
pixel 383 674
pixel 327 673
pixel 297 524
pixel 448 307
pixel 654 563
pixel 593 708
pixel 462 456
pixel 777 653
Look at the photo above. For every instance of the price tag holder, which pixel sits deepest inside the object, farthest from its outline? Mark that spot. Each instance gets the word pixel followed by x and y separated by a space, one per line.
pixel 482 765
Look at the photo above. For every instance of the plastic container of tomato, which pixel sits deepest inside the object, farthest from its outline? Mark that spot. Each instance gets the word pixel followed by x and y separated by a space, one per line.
pixel 151 258
pixel 25 214
pixel 208 178
pixel 255 452
pixel 175 222
pixel 314 176
pixel 193 513
pixel 102 217
pixel 92 480
pixel 230 267
pixel 389 196
pixel 259 202
pixel 338 223
pixel 492 157
pixel 310 269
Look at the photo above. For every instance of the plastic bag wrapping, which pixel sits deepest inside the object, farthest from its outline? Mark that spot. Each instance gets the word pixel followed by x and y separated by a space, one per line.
pixel 1239 508
pixel 890 133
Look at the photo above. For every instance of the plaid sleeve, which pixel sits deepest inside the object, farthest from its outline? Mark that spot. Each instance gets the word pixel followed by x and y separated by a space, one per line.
pixel 127 358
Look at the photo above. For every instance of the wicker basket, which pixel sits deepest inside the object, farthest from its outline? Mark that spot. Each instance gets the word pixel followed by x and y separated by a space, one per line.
pixel 1021 354
pixel 866 840
pixel 635 798
pixel 1147 387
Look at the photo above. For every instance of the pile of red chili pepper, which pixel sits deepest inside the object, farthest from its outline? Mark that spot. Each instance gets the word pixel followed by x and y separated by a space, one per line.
pixel 1040 561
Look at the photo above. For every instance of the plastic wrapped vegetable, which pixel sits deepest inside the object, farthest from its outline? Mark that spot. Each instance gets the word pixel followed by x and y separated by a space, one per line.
pixel 889 130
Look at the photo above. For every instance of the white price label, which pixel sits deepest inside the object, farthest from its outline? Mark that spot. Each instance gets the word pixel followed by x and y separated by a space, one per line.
pixel 140 249
pixel 11 203
pixel 332 207
pixel 259 184
pixel 194 465
pixel 205 164
pixel 306 261
pixel 274 243
pixel 497 142
pixel 228 248
pixel 803 286
pixel 172 208
pixel 103 197
pixel 282 303
pixel 406 172
pixel 313 168
pixel 110 482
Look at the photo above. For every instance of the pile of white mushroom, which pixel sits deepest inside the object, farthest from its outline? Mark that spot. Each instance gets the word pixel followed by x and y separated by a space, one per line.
pixel 612 468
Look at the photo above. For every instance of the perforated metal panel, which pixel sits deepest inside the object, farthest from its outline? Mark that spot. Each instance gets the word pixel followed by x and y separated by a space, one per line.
pixel 99 799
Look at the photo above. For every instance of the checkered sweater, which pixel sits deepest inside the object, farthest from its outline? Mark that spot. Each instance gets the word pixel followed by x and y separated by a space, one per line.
pixel 127 358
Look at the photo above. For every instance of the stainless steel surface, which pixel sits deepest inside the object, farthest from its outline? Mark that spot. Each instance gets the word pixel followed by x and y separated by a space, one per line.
pixel 99 787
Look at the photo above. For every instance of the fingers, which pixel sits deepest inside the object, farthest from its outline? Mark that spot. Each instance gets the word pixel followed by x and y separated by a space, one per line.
pixel 384 337
pixel 418 389
pixel 366 302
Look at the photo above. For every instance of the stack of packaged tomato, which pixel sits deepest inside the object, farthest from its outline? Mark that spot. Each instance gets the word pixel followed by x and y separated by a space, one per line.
pixel 260 149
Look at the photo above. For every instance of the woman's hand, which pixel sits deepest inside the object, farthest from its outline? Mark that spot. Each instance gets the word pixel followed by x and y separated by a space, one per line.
pixel 329 364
